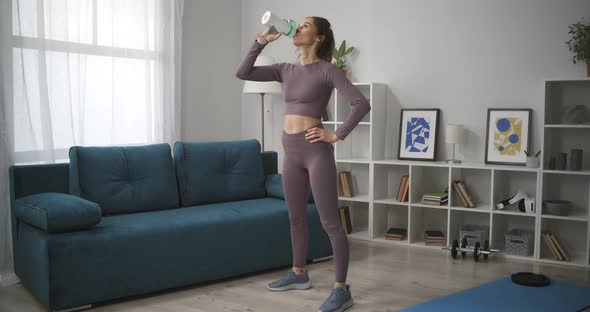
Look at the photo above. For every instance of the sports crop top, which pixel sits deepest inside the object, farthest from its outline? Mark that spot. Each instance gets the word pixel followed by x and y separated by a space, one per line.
pixel 307 88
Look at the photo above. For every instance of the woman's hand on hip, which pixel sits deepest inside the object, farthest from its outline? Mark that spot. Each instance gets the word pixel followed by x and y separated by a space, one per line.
pixel 316 134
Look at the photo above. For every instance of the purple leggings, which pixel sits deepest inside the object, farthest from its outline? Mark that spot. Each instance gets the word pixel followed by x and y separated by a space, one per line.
pixel 308 163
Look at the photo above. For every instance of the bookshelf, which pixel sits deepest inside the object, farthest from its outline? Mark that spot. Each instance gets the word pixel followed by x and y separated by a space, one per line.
pixel 376 176
pixel 357 152
pixel 487 184
pixel 560 135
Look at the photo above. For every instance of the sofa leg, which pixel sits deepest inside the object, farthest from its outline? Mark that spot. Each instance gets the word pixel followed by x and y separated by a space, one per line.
pixel 79 308
pixel 321 259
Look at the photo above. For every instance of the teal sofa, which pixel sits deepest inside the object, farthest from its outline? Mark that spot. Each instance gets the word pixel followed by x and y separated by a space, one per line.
pixel 123 221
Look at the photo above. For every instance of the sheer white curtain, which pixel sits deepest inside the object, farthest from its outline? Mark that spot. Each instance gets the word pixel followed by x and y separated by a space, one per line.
pixel 86 72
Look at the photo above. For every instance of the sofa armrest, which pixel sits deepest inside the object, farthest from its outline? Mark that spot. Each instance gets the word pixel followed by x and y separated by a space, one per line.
pixel 57 212
pixel 274 187
pixel 269 162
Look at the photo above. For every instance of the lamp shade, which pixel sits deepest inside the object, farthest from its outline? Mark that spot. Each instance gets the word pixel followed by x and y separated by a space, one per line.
pixel 262 86
pixel 454 134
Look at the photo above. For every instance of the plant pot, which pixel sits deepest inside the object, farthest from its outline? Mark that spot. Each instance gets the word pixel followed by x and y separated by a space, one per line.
pixel 588 67
pixel 345 72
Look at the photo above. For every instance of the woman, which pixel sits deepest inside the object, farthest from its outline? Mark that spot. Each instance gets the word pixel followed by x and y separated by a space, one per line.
pixel 309 157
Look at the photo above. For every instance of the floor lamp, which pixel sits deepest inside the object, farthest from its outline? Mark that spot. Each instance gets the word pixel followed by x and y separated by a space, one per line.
pixel 262 87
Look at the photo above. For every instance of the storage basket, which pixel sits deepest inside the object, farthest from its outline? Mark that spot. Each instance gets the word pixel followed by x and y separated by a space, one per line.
pixel 473 233
pixel 519 242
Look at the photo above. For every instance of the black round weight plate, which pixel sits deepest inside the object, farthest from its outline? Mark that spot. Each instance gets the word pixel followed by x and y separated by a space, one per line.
pixel 464 245
pixel 454 249
pixel 486 247
pixel 476 252
pixel 530 279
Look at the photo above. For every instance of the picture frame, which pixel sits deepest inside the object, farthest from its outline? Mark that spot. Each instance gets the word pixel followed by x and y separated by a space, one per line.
pixel 508 135
pixel 418 134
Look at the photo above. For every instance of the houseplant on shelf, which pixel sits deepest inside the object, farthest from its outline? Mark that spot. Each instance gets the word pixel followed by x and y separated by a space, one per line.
pixel 579 43
pixel 339 55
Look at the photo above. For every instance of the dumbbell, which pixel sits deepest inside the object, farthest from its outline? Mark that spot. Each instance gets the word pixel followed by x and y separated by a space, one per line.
pixel 477 250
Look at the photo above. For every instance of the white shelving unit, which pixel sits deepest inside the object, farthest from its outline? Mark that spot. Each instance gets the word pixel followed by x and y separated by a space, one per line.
pixel 357 152
pixel 573 229
pixel 376 177
pixel 487 184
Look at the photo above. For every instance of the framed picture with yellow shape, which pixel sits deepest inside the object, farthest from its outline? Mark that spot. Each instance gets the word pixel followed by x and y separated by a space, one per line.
pixel 508 136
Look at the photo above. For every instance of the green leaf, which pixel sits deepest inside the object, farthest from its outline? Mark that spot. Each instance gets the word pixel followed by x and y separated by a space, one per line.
pixel 349 51
pixel 341 50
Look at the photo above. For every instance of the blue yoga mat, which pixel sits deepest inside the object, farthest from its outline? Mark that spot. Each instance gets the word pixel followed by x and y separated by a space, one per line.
pixel 504 295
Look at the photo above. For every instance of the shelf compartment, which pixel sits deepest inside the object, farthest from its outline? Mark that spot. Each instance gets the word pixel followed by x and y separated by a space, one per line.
pixel 330 114
pixel 343 106
pixel 360 235
pixel 568 172
pixel 513 213
pixel 329 126
pixel 479 209
pixel 503 223
pixel 561 95
pixel 478 181
pixel 387 179
pixel 422 218
pixel 388 216
pixel 390 202
pixel 571 218
pixel 573 188
pixel 356 145
pixel 359 176
pixel 459 219
pixel 425 179
pixel 563 140
pixel 364 198
pixel 571 235
pixel 507 183
pixel 359 218
pixel 582 126
pixel 443 207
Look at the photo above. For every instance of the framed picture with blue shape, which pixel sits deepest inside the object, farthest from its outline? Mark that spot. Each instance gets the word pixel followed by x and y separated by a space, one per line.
pixel 508 135
pixel 418 134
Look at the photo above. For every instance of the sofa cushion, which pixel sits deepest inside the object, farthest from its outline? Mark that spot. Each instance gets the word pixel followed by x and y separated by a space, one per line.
pixel 124 179
pixel 221 171
pixel 149 251
pixel 57 212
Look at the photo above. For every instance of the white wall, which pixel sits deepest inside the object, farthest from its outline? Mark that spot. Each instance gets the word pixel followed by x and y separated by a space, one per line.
pixel 462 56
pixel 211 99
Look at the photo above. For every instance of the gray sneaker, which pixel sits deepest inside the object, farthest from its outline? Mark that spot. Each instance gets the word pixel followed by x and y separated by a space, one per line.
pixel 339 300
pixel 291 281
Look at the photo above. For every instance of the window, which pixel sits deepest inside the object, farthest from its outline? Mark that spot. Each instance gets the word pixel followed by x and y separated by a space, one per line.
pixel 89 72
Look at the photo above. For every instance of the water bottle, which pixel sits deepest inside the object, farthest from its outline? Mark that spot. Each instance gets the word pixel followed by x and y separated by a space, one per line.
pixel 271 20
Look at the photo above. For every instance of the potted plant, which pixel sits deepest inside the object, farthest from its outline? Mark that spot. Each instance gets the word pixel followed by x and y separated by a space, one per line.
pixel 579 43
pixel 339 55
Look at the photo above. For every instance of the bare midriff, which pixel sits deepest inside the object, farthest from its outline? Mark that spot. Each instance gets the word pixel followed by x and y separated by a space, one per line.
pixel 298 123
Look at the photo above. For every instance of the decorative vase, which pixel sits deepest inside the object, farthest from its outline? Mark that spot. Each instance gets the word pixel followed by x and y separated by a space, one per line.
pixel 551 165
pixel 532 161
pixel 345 72
pixel 576 159
pixel 561 161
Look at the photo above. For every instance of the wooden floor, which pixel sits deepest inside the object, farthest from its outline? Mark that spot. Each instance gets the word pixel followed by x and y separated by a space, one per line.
pixel 383 277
